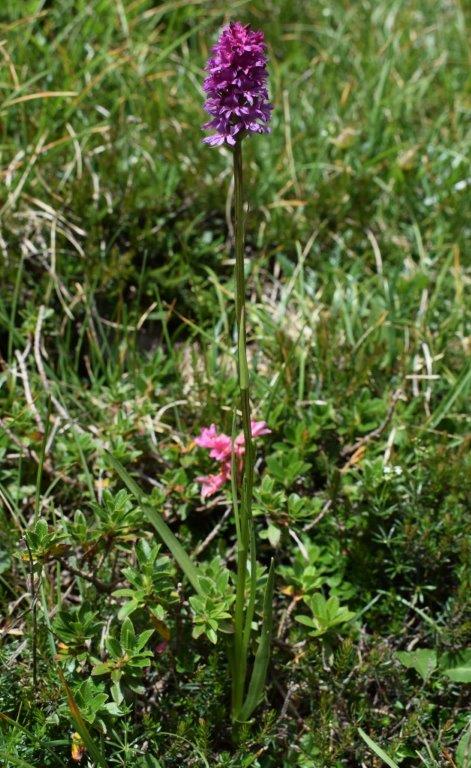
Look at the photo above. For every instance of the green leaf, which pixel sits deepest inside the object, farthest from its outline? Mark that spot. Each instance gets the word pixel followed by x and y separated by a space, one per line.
pixel 306 620
pixel 41 529
pixel 457 666
pixel 143 639
pixel 274 535
pixel 127 609
pixel 259 672
pixel 170 540
pixel 423 660
pixel 113 646
pixel 100 669
pixel 463 750
pixel 127 635
pixel 377 749
pixel 326 613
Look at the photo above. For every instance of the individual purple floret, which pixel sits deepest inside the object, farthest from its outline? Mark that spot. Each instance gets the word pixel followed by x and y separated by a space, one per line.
pixel 236 86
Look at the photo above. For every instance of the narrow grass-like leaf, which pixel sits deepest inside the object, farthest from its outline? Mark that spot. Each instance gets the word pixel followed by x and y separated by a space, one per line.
pixel 463 750
pixel 259 672
pixel 377 749
pixel 168 537
pixel 461 384
pixel 93 750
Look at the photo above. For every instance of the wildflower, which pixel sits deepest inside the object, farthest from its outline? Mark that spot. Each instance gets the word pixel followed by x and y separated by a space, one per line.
pixel 220 448
pixel 259 428
pixel 211 484
pixel 220 445
pixel 77 748
pixel 237 96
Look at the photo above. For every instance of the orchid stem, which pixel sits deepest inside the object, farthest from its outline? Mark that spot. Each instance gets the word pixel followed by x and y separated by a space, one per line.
pixel 245 543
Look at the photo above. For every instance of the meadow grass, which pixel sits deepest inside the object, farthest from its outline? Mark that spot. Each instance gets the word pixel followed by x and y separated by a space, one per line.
pixel 117 334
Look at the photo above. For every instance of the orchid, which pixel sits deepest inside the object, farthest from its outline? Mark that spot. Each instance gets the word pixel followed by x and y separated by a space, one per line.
pixel 236 86
pixel 237 102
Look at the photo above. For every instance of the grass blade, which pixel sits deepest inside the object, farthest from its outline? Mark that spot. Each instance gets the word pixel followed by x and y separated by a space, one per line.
pixel 377 749
pixel 461 384
pixel 93 750
pixel 169 539
pixel 259 672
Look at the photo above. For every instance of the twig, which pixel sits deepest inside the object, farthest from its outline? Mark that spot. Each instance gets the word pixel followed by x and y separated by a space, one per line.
pixel 300 544
pixel 287 699
pixel 319 517
pixel 101 586
pixel 286 615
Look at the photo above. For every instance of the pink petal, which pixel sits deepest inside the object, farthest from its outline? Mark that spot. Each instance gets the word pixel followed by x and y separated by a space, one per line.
pixel 221 448
pixel 211 484
pixel 259 428
pixel 207 437
pixel 219 444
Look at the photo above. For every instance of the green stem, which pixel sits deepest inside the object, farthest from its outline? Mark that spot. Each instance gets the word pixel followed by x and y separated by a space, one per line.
pixel 245 542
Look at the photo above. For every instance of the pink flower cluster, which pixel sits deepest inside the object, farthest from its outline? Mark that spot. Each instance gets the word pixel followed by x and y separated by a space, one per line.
pixel 236 86
pixel 220 448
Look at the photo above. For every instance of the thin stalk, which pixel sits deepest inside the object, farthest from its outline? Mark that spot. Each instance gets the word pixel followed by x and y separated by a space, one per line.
pixel 14 304
pixel 245 542
pixel 42 457
pixel 34 614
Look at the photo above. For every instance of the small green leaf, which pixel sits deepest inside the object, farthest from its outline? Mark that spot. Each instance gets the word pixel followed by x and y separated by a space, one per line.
pixel 127 635
pixel 423 660
pixel 457 666
pixel 41 529
pixel 100 669
pixel 274 535
pixel 306 620
pixel 143 639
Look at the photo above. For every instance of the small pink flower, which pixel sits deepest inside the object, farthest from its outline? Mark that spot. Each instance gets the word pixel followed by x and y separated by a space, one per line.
pixel 220 448
pixel 207 436
pixel 219 444
pixel 259 428
pixel 211 484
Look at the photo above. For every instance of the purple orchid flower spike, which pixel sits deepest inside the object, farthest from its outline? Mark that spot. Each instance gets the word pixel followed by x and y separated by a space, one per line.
pixel 236 86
